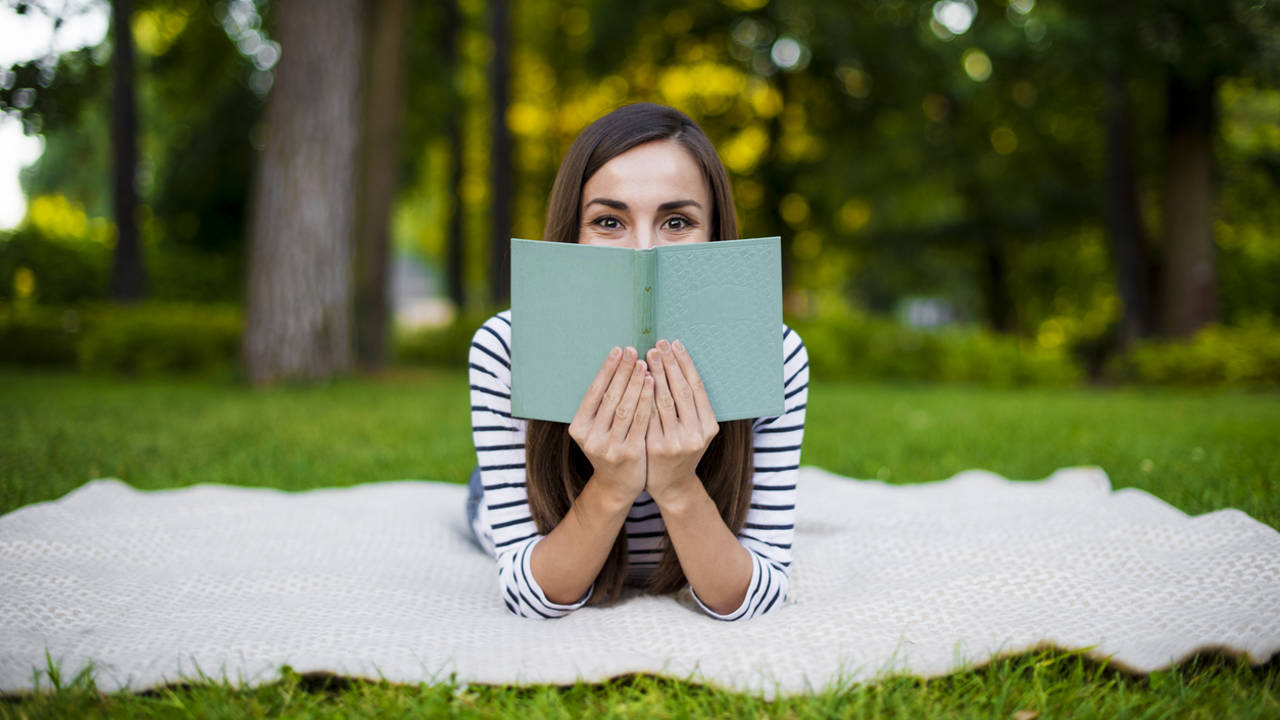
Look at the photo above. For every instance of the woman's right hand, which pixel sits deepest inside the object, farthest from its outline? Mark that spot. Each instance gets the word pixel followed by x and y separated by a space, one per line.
pixel 611 422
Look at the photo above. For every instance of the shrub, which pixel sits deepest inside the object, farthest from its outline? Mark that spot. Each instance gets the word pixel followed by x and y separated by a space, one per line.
pixel 64 272
pixel 36 335
pixel 444 346
pixel 148 338
pixel 1215 356
pixel 154 338
pixel 847 345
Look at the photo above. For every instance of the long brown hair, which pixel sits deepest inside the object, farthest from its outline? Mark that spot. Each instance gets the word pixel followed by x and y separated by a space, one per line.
pixel 556 468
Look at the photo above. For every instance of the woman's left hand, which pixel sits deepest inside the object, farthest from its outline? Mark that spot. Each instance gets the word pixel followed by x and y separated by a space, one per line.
pixel 683 426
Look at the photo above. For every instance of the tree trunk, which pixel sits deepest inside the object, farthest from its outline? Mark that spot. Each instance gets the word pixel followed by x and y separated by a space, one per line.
pixel 128 278
pixel 1189 281
pixel 303 216
pixel 387 20
pixel 1001 311
pixel 455 251
pixel 778 174
pixel 500 156
pixel 1124 220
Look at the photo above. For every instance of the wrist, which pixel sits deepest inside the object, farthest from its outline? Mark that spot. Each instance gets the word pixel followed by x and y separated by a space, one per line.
pixel 608 497
pixel 679 494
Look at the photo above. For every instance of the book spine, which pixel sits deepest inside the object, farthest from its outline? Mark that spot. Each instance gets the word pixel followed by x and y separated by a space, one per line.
pixel 644 292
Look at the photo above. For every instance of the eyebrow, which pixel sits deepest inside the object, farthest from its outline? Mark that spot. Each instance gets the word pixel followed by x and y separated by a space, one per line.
pixel 670 205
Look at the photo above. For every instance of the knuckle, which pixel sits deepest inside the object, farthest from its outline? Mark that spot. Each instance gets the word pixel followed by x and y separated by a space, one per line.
pixel 623 412
pixel 665 402
pixel 686 392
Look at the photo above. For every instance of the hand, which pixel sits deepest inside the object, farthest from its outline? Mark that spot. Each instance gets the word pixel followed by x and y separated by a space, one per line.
pixel 611 422
pixel 682 426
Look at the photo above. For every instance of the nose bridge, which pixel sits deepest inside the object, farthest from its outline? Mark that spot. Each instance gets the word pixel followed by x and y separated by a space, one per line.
pixel 644 236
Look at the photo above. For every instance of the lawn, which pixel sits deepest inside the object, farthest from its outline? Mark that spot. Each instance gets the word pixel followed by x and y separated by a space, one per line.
pixel 1198 451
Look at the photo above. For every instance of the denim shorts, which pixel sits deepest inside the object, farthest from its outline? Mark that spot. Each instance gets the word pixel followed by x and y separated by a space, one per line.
pixel 475 492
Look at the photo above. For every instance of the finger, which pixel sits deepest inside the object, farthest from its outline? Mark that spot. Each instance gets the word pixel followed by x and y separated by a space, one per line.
pixel 644 412
pixel 591 401
pixel 626 410
pixel 665 405
pixel 681 392
pixel 706 415
pixel 603 418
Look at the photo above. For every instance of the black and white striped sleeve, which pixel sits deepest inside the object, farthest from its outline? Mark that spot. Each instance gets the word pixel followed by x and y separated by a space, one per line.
pixel 504 520
pixel 770 523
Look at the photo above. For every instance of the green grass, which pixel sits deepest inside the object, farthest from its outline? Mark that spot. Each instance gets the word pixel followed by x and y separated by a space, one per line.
pixel 1198 451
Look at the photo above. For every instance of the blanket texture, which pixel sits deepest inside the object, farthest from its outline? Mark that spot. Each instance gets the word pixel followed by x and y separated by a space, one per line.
pixel 382 580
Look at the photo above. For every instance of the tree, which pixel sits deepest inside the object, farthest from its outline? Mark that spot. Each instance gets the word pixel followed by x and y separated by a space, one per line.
pixel 304 197
pixel 1195 43
pixel 127 274
pixel 500 184
pixel 451 28
pixel 378 175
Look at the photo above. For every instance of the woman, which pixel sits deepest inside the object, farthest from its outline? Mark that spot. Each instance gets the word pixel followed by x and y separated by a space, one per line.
pixel 643 487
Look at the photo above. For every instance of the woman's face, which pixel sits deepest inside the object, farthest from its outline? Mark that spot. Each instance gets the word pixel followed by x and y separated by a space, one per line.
pixel 652 194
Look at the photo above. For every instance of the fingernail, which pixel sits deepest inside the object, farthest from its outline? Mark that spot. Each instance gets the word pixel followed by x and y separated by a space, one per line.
pixel 615 352
pixel 664 346
pixel 639 366
pixel 678 346
pixel 631 352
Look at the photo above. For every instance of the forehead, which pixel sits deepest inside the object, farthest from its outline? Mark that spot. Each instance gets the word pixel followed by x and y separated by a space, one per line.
pixel 659 169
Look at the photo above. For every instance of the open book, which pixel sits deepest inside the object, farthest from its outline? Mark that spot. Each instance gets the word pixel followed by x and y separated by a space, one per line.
pixel 571 303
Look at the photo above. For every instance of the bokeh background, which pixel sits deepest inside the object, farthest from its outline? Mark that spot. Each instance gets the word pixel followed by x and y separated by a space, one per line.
pixel 993 192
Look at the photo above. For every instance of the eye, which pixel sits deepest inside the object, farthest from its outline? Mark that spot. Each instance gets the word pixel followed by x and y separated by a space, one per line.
pixel 679 222
pixel 604 222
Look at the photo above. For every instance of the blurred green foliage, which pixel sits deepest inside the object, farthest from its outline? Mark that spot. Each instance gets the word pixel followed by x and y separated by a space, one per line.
pixel 856 346
pixel 151 338
pixel 1218 356
pixel 52 271
pixel 39 335
pixel 897 155
pixel 446 346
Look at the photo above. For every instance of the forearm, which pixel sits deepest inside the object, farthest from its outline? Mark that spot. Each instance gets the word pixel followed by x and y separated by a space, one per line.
pixel 567 560
pixel 716 565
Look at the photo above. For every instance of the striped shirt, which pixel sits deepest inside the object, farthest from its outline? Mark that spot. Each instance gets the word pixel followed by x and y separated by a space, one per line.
pixel 506 528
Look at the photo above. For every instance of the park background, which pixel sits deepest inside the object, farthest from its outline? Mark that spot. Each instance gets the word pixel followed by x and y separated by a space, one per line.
pixel 254 240
pixel 1008 192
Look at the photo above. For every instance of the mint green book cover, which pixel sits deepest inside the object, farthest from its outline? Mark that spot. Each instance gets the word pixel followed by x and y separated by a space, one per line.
pixel 571 303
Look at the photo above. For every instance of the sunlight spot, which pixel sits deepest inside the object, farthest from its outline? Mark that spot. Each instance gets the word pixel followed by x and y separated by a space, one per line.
pixel 855 213
pixel 24 283
pixel 794 209
pixel 576 21
pixel 955 15
pixel 856 81
pixel 976 64
pixel 1004 140
pixel 789 54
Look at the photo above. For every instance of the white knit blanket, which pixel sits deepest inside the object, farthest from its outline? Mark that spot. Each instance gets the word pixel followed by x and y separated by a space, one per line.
pixel 381 580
